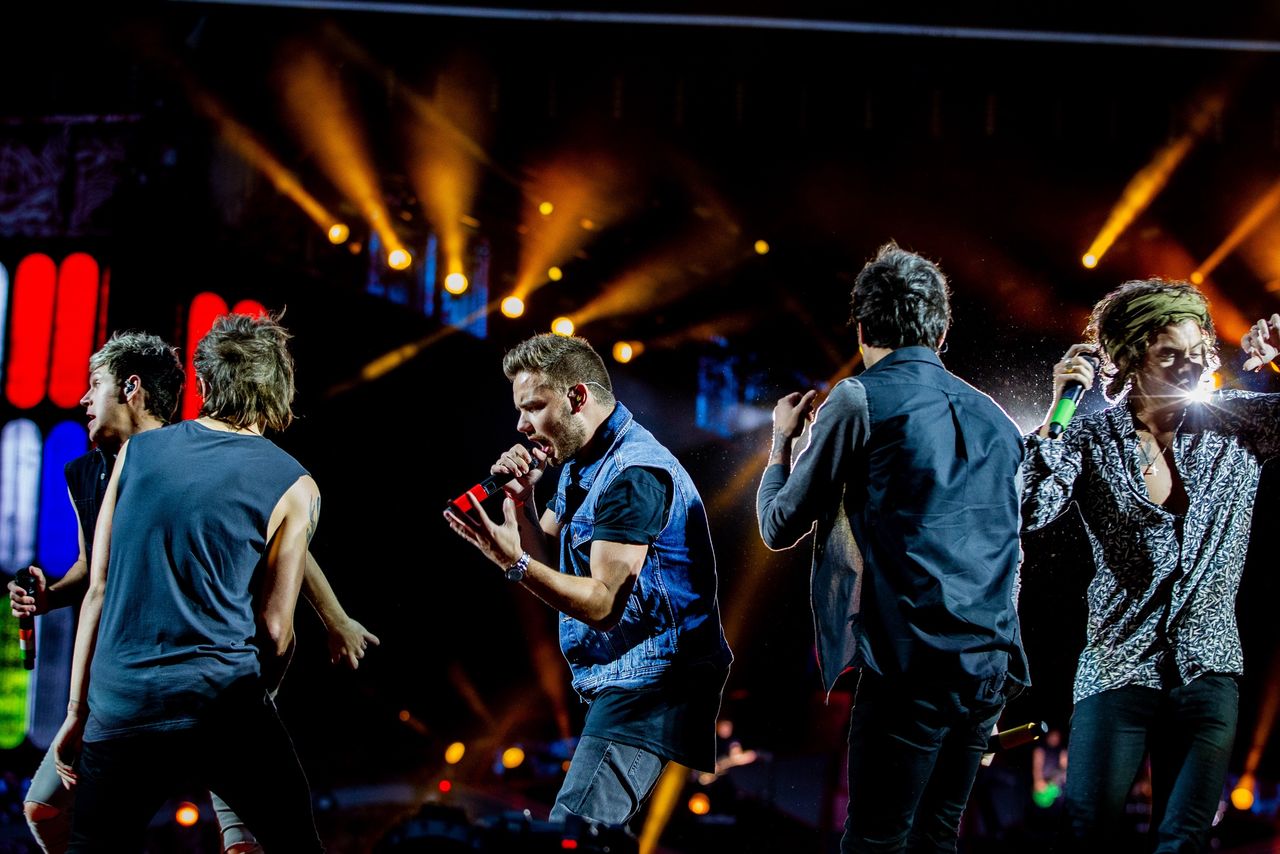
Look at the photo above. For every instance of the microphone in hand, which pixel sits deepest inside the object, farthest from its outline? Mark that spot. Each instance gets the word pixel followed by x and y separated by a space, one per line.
pixel 491 485
pixel 1065 408
pixel 27 625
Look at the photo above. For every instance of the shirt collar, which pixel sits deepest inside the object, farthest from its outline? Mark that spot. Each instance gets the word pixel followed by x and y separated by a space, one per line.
pixel 584 465
pixel 908 354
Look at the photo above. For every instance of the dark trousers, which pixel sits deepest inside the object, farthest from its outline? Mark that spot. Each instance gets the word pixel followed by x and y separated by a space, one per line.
pixel 239 749
pixel 1188 731
pixel 914 749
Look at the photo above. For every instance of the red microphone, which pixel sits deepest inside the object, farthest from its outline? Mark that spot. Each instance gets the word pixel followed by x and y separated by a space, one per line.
pixel 492 484
pixel 27 625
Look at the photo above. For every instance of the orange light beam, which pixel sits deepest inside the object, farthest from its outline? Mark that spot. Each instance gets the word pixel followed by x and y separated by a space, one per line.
pixel 1152 178
pixel 315 102
pixel 584 185
pixel 1254 218
pixel 666 794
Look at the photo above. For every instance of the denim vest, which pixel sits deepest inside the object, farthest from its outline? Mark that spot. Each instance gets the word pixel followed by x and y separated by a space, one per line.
pixel 672 617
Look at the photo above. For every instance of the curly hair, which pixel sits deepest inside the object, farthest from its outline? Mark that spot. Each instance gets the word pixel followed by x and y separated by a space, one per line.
pixel 1125 321
pixel 154 361
pixel 247 372
pixel 900 299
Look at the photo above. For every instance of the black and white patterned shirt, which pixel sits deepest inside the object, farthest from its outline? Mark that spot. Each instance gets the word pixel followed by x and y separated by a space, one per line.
pixel 1162 601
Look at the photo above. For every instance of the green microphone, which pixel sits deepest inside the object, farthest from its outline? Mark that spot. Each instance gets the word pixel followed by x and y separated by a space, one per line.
pixel 1066 405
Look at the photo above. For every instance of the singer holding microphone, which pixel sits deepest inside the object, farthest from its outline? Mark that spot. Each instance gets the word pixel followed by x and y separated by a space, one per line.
pixel 623 551
pixel 1165 480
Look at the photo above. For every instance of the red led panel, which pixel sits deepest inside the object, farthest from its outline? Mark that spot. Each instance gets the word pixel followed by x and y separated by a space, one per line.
pixel 249 306
pixel 205 309
pixel 31 322
pixel 73 329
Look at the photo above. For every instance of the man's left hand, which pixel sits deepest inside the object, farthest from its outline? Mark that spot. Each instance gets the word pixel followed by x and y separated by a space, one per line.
pixel 1261 343
pixel 499 543
pixel 348 642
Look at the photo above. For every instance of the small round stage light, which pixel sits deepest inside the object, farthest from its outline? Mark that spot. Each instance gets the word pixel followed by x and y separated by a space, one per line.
pixel 1242 797
pixel 187 814
pixel 512 757
pixel 762 247
pixel 338 233
pixel 1090 260
pixel 622 352
pixel 404 716
pixel 562 326
pixel 513 306
pixel 699 804
pixel 555 274
pixel 546 208
pixel 453 753
pixel 445 786
pixel 588 224
pixel 399 259
pixel 456 283
pixel 1197 278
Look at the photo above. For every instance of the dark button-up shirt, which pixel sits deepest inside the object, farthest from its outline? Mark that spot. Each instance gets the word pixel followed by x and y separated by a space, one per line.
pixel 1162 599
pixel 911 476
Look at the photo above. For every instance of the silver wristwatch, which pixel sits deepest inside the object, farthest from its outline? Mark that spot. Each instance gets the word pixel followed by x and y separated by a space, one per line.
pixel 516 572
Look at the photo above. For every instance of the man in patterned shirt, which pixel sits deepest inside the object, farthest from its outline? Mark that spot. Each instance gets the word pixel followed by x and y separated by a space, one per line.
pixel 1165 480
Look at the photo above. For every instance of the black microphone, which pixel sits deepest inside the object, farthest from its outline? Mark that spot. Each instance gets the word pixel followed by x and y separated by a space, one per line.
pixel 27 625
pixel 1066 405
pixel 492 484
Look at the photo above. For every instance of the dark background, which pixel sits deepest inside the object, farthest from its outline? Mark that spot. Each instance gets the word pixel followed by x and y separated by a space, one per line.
pixel 999 157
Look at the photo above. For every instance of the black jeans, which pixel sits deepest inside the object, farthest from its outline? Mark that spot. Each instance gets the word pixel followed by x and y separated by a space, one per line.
pixel 914 749
pixel 1188 731
pixel 239 749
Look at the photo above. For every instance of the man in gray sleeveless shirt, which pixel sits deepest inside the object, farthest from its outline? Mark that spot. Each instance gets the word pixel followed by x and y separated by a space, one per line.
pixel 135 382
pixel 201 546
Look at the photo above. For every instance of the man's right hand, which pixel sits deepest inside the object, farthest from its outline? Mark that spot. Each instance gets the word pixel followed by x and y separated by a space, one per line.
pixel 1076 366
pixel 29 603
pixel 526 465
pixel 791 413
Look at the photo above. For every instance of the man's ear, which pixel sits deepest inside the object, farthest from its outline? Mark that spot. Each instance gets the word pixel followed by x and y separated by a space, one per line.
pixel 578 396
pixel 131 384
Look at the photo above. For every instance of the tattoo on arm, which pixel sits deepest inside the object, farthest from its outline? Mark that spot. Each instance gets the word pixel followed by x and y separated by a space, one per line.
pixel 314 519
pixel 781 441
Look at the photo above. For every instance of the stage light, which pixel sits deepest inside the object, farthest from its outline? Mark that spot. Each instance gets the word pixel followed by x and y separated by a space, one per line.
pixel 187 814
pixel 568 844
pixel 453 753
pixel 455 283
pixel 625 351
pixel 555 274
pixel 338 233
pixel 762 247
pixel 404 715
pixel 445 786
pixel 1089 260
pixel 512 757
pixel 399 259
pixel 699 804
pixel 1197 278
pixel 1242 795
pixel 587 224
pixel 513 306
pixel 546 208
pixel 562 326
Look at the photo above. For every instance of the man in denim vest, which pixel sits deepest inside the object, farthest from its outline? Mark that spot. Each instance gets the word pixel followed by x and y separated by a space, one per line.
pixel 636 584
